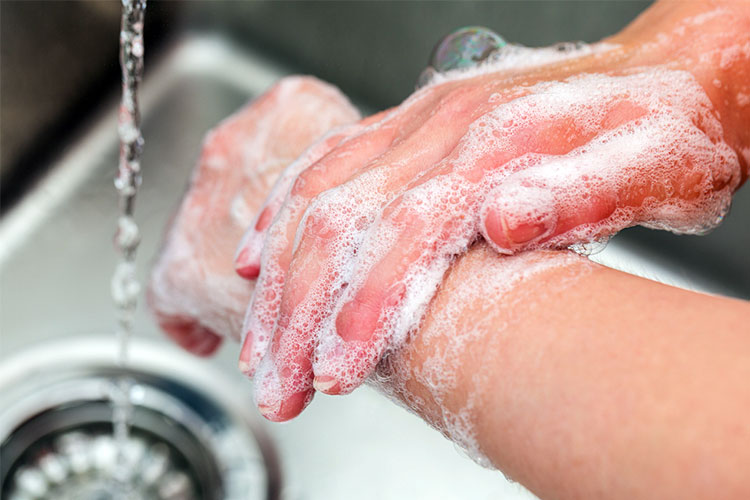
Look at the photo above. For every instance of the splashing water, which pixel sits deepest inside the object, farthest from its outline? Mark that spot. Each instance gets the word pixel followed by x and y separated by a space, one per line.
pixel 125 286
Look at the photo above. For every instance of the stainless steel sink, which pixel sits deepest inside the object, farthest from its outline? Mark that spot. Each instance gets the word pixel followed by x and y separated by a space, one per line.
pixel 56 260
pixel 189 437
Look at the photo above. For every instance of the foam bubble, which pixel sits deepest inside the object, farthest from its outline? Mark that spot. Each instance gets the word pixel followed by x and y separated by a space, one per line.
pixel 668 169
pixel 433 377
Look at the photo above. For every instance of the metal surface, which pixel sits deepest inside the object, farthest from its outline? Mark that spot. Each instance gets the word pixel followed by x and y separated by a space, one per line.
pixel 56 259
pixel 189 437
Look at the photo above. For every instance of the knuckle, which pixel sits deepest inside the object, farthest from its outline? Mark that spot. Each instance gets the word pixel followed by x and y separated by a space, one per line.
pixel 323 213
pixel 455 100
pixel 310 182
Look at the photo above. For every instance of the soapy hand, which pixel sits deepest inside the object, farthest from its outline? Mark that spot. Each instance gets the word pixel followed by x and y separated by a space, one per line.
pixel 562 152
pixel 194 291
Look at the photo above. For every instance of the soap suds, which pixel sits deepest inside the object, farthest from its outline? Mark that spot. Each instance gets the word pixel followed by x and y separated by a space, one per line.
pixel 677 138
pixel 672 151
pixel 459 324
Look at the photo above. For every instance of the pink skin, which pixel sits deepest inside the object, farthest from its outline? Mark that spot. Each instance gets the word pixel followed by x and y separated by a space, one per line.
pixel 247 260
pixel 240 160
pixel 388 268
pixel 371 237
pixel 292 350
pixel 349 157
pixel 279 236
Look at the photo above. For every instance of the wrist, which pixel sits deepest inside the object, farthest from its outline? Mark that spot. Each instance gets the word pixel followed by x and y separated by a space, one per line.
pixel 454 370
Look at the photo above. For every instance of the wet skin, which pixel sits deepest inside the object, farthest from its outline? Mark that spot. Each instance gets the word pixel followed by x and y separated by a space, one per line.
pixel 390 147
pixel 350 244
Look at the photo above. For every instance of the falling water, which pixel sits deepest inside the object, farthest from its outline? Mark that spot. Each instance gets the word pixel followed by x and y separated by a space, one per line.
pixel 125 286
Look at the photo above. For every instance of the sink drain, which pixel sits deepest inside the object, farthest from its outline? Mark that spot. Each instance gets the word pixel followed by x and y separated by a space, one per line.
pixel 189 439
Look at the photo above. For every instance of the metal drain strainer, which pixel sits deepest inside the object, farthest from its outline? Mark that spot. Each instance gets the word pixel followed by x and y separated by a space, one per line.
pixel 190 437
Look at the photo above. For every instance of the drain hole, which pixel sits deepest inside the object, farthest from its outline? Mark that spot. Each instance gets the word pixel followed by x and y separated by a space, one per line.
pixel 70 453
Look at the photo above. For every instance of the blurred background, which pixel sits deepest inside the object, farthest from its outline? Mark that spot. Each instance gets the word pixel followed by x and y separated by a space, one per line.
pixel 59 86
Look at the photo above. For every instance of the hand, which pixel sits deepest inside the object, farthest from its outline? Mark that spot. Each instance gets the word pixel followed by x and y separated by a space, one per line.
pixel 544 156
pixel 194 291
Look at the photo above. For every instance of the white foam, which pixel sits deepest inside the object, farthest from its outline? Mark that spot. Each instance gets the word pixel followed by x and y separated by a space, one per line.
pixel 677 136
pixel 462 321
pixel 675 152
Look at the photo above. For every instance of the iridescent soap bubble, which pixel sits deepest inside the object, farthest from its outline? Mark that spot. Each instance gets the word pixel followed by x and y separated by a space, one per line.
pixel 465 47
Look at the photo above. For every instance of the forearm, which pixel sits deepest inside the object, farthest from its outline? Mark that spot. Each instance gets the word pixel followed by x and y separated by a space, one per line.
pixel 580 381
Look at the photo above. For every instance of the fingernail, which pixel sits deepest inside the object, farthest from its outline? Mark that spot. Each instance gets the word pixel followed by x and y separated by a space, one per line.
pixel 245 368
pixel 288 409
pixel 526 232
pixel 269 411
pixel 191 336
pixel 247 264
pixel 326 385
pixel 264 220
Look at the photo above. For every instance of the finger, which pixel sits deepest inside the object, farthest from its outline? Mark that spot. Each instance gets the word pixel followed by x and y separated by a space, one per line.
pixel 193 291
pixel 337 111
pixel 660 171
pixel 330 171
pixel 185 331
pixel 442 129
pixel 247 259
pixel 399 266
pixel 366 322
pixel 284 381
pixel 338 219
pixel 190 335
pixel 434 226
pixel 280 399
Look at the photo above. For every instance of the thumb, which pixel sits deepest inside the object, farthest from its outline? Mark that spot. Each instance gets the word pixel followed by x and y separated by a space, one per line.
pixel 524 214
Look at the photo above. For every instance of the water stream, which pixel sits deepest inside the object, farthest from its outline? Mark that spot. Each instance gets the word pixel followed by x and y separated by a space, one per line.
pixel 125 286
